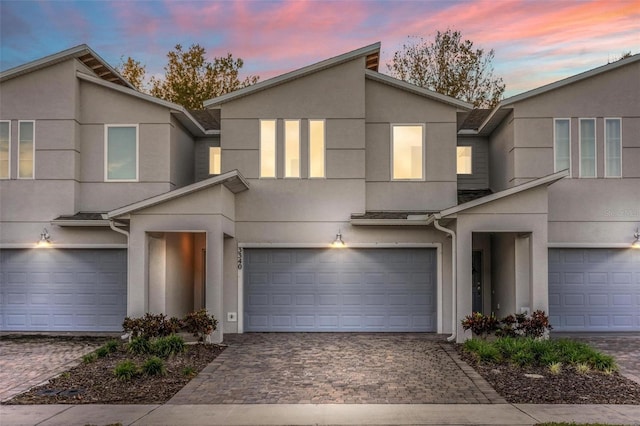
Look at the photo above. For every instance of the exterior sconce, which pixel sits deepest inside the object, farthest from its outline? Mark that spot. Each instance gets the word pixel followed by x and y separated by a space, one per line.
pixel 338 243
pixel 636 243
pixel 45 239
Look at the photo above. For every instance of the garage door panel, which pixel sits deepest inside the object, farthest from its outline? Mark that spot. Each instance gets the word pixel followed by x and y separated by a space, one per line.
pixel 605 299
pixel 341 290
pixel 63 289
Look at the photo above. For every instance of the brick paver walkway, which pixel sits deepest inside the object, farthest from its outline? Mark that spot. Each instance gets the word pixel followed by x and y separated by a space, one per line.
pixel 30 360
pixel 349 368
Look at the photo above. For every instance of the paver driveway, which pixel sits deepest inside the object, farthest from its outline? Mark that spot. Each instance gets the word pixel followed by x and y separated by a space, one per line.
pixel 27 361
pixel 302 368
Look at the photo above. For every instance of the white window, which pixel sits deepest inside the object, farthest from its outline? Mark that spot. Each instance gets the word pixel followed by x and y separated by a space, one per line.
pixel 464 154
pixel 214 160
pixel 292 148
pixel 587 147
pixel 26 149
pixel 5 149
pixel 562 144
pixel 612 147
pixel 407 148
pixel 316 149
pixel 268 148
pixel 121 152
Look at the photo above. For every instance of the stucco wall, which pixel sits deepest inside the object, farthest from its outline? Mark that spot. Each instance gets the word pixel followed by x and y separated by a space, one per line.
pixel 182 154
pixel 501 156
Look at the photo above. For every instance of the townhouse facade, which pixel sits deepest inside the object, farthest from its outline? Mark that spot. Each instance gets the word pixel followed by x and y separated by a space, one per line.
pixel 331 198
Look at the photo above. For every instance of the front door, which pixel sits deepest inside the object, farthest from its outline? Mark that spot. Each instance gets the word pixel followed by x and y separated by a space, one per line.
pixel 476 280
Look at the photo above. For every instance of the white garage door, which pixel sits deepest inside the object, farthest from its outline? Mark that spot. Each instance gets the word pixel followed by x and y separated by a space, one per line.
pixel 594 289
pixel 63 289
pixel 340 290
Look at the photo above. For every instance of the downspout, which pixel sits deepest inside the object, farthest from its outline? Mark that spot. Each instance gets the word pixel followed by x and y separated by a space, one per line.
pixel 454 281
pixel 113 226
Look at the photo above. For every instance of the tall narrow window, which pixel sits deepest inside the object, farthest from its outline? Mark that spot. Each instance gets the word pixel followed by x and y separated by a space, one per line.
pixel 562 144
pixel 268 148
pixel 121 153
pixel 26 149
pixel 587 147
pixel 214 160
pixel 612 147
pixel 5 148
pixel 407 152
pixel 316 149
pixel 464 160
pixel 292 148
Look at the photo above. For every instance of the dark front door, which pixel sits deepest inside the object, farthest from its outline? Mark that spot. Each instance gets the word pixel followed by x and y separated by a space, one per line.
pixel 476 281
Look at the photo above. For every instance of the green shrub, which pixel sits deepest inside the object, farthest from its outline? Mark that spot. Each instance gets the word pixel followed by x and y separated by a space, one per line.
pixel 555 368
pixel 102 351
pixel 167 346
pixel 139 346
pixel 200 324
pixel 89 358
pixel 523 357
pixel 188 371
pixel 154 367
pixel 151 325
pixel 480 324
pixel 112 345
pixel 126 370
pixel 483 350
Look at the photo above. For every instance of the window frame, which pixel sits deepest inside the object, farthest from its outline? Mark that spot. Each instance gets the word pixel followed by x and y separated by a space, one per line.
pixel 470 157
pixel 8 150
pixel 33 153
pixel 275 149
pixel 210 173
pixel 324 147
pixel 106 152
pixel 595 147
pixel 286 151
pixel 606 172
pixel 555 145
pixel 422 157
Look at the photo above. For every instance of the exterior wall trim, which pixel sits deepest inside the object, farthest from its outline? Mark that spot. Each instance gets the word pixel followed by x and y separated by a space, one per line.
pixel 54 246
pixel 439 268
pixel 590 245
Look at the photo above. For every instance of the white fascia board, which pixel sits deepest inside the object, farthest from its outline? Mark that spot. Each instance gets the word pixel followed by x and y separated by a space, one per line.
pixel 388 222
pixel 158 199
pixel 400 84
pixel 546 180
pixel 80 223
pixel 262 85
pixel 174 108
pixel 570 80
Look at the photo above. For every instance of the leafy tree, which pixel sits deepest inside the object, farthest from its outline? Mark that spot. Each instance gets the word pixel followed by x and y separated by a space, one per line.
pixel 450 66
pixel 190 79
pixel 133 72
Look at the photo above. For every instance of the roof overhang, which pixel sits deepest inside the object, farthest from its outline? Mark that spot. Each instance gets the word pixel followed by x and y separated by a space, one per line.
pixel 232 180
pixel 371 54
pixel 546 180
pixel 403 85
pixel 83 53
pixel 181 113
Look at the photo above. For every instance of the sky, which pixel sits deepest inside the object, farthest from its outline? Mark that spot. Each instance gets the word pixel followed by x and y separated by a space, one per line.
pixel 535 41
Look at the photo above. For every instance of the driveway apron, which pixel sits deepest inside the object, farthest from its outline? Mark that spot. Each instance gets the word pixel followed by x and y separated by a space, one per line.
pixel 336 368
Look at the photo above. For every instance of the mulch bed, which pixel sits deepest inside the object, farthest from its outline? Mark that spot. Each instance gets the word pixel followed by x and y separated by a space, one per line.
pixel 568 387
pixel 95 383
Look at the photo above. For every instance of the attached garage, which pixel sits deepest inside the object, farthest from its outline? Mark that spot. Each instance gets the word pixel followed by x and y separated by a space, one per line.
pixel 594 289
pixel 63 289
pixel 374 290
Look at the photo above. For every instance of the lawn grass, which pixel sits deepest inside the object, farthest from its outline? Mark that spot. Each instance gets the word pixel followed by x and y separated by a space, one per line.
pixel 526 351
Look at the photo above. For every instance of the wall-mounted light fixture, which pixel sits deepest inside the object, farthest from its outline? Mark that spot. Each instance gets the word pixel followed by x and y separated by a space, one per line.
pixel 338 243
pixel 45 239
pixel 636 243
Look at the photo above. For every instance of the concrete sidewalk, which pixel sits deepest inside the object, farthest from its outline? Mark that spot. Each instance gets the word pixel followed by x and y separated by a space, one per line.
pixel 316 414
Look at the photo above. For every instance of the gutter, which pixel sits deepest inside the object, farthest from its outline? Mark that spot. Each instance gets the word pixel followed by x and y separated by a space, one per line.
pixel 454 280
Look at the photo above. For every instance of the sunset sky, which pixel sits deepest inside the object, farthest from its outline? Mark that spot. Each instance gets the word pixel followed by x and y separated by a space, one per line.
pixel 535 42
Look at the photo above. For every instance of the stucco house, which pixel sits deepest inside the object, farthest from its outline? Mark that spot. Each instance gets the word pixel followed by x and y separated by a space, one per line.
pixel 330 198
